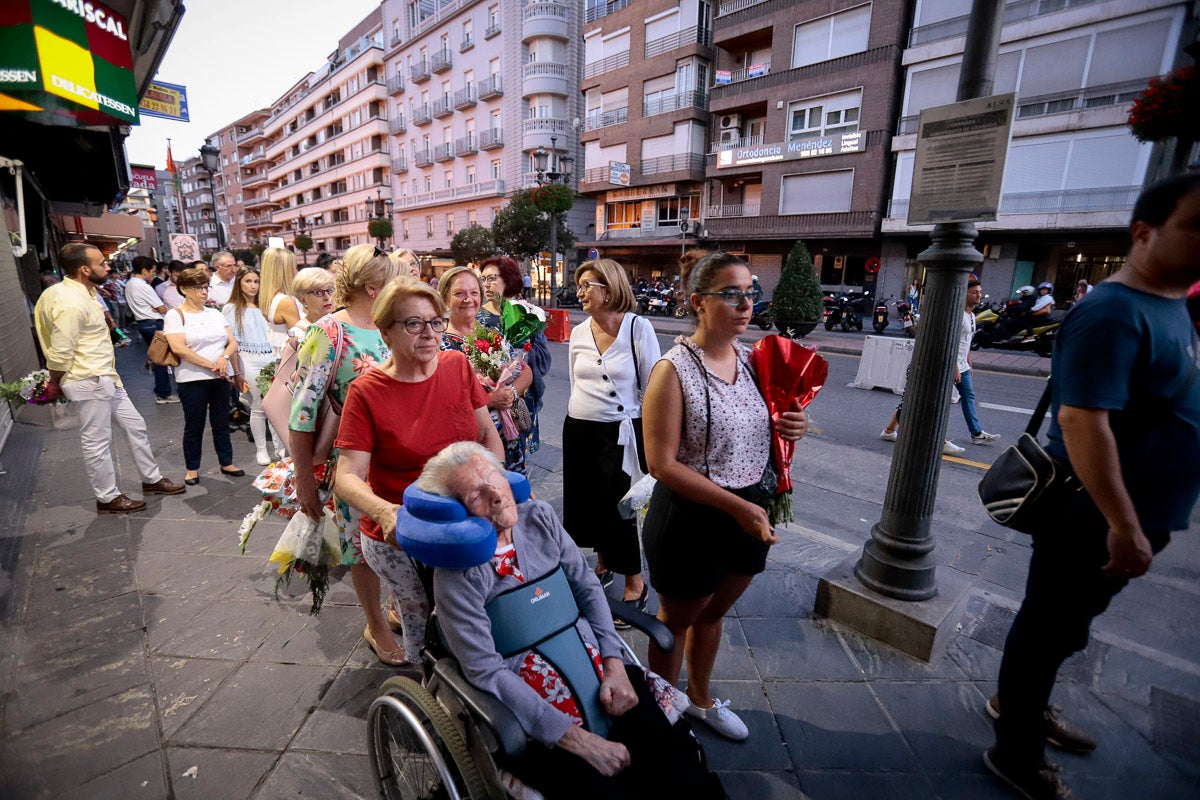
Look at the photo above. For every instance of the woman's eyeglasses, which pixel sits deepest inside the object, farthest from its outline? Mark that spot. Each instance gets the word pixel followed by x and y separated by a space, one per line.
pixel 415 325
pixel 490 278
pixel 322 292
pixel 585 285
pixel 733 297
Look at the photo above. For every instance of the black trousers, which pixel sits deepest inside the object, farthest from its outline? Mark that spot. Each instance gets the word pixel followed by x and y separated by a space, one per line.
pixel 199 399
pixel 1065 591
pixel 665 760
pixel 162 375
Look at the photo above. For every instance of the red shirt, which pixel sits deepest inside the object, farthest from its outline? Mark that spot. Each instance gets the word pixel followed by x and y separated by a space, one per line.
pixel 403 424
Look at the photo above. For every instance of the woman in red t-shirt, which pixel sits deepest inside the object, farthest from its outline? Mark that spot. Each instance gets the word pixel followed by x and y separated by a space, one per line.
pixel 395 417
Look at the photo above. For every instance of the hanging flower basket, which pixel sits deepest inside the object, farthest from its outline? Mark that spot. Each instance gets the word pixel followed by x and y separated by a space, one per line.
pixel 553 198
pixel 1169 107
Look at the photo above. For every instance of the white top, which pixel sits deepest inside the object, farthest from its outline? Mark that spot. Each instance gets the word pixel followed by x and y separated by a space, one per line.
pixel 219 291
pixel 206 335
pixel 603 387
pixel 966 333
pixel 252 336
pixel 170 295
pixel 142 299
pixel 277 332
pixel 1042 302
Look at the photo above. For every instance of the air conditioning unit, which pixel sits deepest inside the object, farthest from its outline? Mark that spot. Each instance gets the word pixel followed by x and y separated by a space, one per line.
pixel 728 135
pixel 731 121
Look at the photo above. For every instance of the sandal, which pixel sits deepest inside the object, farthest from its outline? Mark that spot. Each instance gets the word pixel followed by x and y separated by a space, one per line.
pixel 393 658
pixel 606 577
pixel 393 621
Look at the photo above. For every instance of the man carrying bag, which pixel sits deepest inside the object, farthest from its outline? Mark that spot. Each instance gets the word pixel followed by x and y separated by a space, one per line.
pixel 1125 415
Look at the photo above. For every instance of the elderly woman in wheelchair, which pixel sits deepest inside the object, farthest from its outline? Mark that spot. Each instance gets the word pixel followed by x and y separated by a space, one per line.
pixel 548 693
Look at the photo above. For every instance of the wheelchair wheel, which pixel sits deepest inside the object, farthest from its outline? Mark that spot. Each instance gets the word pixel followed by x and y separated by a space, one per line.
pixel 416 751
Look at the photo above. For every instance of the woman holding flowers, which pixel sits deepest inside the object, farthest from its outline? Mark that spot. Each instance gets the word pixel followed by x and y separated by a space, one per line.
pixel 337 348
pixel 708 443
pixel 610 358
pixel 396 417
pixel 249 326
pixel 462 293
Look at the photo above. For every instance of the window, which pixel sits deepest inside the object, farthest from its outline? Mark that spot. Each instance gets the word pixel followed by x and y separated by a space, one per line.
pixel 428 183
pixel 669 209
pixel 404 227
pixel 824 116
pixel 831 37
pixel 429 227
pixel 447 179
pixel 450 224
pixel 619 216
pixel 470 217
pixel 497 172
pixel 816 192
pixel 470 174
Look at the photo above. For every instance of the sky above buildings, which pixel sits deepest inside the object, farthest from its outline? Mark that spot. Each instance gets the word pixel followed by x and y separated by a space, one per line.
pixel 235 56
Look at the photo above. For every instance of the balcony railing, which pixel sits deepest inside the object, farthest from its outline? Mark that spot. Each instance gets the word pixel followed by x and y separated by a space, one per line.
pixel 466 44
pixel 595 175
pixel 421 115
pixel 441 60
pixel 605 119
pixel 465 97
pixel 247 135
pixel 491 31
pixel 1013 12
pixel 400 164
pixel 465 145
pixel 396 84
pixel 490 87
pixel 750 73
pixel 608 64
pixel 602 8
pixel 396 123
pixel 734 210
pixel 674 41
pixel 674 163
pixel 442 107
pixel 734 6
pixel 486 189
pixel 543 69
pixel 423 157
pixel 491 139
pixel 1070 201
pixel 443 152
pixel 733 144
pixel 551 125
pixel 674 101
pixel 419 72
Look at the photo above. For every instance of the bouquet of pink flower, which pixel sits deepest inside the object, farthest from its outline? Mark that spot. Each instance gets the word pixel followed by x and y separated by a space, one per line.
pixel 32 390
pixel 497 363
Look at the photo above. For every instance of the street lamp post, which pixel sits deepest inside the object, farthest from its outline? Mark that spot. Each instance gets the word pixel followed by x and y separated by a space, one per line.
pixel 210 160
pixel 379 208
pixel 552 169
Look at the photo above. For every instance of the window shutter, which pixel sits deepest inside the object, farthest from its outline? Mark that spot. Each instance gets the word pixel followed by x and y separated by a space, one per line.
pixel 1128 53
pixel 1103 161
pixel 1035 167
pixel 1056 67
pixel 850 31
pixel 817 192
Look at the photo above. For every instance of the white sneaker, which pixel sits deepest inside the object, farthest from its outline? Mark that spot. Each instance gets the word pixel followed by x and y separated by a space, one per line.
pixel 262 457
pixel 164 401
pixel 720 719
pixel 985 438
pixel 951 449
pixel 889 437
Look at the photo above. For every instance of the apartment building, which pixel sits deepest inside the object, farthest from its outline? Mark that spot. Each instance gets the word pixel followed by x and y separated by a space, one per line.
pixel 476 87
pixel 254 223
pixel 1073 170
pixel 803 106
pixel 647 75
pixel 166 213
pixel 199 211
pixel 325 147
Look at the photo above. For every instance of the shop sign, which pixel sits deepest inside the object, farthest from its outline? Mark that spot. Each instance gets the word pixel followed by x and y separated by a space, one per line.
pixel 66 62
pixel 810 147
pixel 142 177
pixel 642 192
pixel 618 173
pixel 166 100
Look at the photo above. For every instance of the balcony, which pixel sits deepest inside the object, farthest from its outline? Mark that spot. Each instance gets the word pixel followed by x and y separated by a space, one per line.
pixel 733 210
pixel 464 98
pixel 840 224
pixel 255 178
pixel 247 136
pixel 491 139
pixel 421 115
pixel 452 194
pixel 690 162
pixel 734 6
pixel 615 61
pixel 750 73
pixel 674 41
pixel 400 164
pixel 604 119
pixel 1013 12
pixel 536 132
pixel 441 61
pixel 545 19
pixel 419 72
pixel 396 124
pixel 466 44
pixel 262 201
pixel 489 87
pixel 733 144
pixel 396 84
pixel 443 152
pixel 423 157
pixel 465 145
pixel 492 31
pixel 666 103
pixel 394 42
pixel 442 108
pixel 544 77
pixel 255 156
pixel 602 8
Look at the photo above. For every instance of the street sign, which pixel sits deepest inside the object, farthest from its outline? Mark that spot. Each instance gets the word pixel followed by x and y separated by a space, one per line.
pixel 593 254
pixel 618 173
pixel 960 161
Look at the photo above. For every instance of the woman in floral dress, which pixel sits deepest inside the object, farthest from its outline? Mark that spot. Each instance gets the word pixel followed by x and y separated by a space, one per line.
pixel 337 349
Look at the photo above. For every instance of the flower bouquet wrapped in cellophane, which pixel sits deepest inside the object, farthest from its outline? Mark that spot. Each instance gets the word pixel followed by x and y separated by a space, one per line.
pixel 310 547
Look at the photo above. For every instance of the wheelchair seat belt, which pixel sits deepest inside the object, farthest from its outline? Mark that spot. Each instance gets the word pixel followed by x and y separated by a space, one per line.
pixel 540 615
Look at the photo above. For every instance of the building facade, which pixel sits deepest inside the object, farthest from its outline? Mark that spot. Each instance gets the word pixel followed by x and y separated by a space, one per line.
pixel 199 210
pixel 166 213
pixel 257 202
pixel 1073 169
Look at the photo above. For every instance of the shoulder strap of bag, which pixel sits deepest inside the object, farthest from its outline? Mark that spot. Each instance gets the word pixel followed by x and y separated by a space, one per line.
pixel 338 352
pixel 1039 411
pixel 637 370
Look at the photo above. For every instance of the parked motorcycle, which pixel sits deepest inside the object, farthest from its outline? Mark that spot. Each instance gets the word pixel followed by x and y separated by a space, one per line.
pixel 568 297
pixel 846 311
pixel 1007 327
pixel 763 315
pixel 907 318
pixel 880 322
pixel 661 302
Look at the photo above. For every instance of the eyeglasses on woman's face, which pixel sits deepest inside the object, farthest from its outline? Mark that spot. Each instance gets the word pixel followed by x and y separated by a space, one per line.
pixel 490 278
pixel 415 325
pixel 586 285
pixel 733 297
pixel 321 292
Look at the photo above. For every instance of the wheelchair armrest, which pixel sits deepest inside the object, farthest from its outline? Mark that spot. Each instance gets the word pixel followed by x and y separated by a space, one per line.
pixel 644 622
pixel 484 707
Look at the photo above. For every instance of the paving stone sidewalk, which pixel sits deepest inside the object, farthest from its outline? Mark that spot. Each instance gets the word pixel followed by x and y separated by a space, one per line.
pixel 145 657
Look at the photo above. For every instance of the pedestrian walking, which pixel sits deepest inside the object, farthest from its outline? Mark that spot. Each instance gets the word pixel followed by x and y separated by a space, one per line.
pixel 148 310
pixel 1125 419
pixel 82 364
pixel 962 369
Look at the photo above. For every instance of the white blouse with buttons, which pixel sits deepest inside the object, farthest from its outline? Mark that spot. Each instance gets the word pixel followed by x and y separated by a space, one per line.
pixel 604 387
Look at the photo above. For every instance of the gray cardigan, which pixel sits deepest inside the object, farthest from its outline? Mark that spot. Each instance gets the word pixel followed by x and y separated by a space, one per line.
pixel 541 545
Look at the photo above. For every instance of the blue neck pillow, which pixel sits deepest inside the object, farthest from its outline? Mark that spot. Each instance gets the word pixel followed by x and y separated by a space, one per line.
pixel 436 530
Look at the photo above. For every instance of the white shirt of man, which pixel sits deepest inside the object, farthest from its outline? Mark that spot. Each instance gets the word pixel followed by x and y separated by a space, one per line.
pixel 1042 302
pixel 219 290
pixel 965 334
pixel 142 299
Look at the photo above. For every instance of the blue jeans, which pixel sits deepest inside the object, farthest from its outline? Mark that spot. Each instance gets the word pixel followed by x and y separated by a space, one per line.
pixel 162 375
pixel 967 390
pixel 201 398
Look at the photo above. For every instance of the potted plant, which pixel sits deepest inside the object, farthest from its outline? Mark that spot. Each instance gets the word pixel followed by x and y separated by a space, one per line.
pixel 797 298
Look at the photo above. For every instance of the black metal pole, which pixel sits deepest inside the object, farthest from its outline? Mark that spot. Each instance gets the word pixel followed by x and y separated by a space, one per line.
pixel 898 560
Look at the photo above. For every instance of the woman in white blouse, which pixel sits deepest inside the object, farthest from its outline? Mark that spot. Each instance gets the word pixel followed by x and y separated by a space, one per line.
pixel 609 361
pixel 206 346
pixel 282 309
pixel 249 326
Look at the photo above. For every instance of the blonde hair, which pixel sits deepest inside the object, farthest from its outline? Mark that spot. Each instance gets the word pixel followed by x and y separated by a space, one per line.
pixel 310 279
pixel 446 282
pixel 278 271
pixel 361 268
pixel 398 289
pixel 406 260
pixel 620 297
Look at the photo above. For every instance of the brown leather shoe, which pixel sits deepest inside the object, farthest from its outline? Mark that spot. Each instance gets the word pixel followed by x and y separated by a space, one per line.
pixel 1033 782
pixel 120 505
pixel 163 486
pixel 1059 732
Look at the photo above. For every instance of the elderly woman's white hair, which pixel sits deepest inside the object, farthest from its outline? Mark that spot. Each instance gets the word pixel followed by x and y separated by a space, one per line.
pixel 439 471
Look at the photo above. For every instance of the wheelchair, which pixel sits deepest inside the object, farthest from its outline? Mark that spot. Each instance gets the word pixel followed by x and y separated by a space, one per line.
pixel 439 739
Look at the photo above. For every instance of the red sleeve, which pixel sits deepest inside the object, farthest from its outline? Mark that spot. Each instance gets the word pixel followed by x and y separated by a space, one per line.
pixel 479 398
pixel 357 428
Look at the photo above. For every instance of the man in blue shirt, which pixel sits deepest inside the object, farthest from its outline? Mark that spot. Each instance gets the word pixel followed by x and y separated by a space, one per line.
pixel 1125 414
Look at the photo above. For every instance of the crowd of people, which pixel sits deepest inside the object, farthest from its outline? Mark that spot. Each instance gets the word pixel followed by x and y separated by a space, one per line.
pixel 386 362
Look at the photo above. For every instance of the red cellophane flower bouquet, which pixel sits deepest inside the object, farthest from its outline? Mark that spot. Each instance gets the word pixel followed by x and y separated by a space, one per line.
pixel 786 372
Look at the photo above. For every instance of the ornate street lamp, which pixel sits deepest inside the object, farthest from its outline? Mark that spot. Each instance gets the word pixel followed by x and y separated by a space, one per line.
pixel 210 161
pixel 551 169
pixel 379 214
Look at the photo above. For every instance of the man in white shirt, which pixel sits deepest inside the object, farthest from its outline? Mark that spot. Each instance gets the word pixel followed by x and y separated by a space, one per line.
pixel 962 370
pixel 220 286
pixel 148 309
pixel 167 290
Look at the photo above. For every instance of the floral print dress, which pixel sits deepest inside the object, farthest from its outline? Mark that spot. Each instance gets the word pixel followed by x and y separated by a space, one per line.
pixel 322 371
